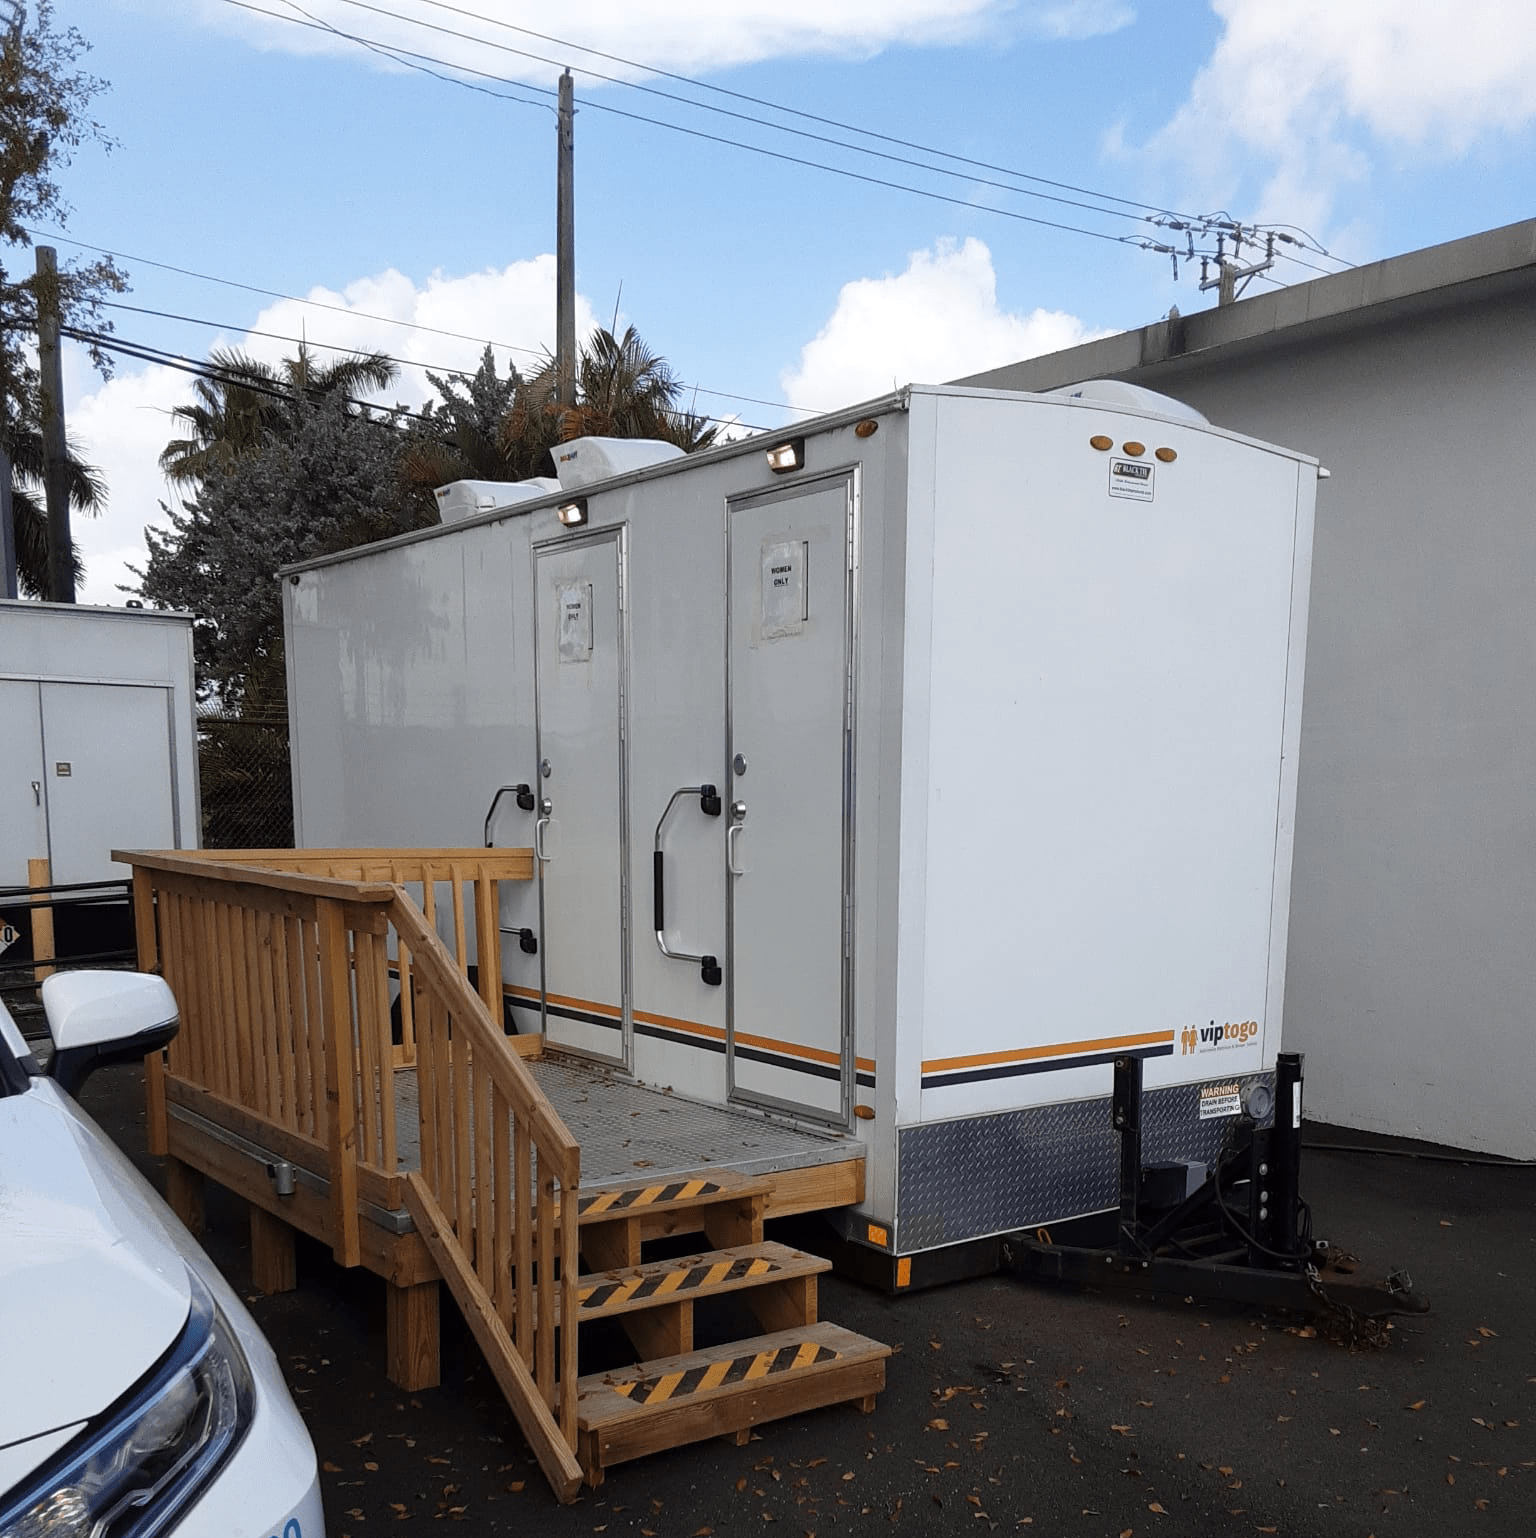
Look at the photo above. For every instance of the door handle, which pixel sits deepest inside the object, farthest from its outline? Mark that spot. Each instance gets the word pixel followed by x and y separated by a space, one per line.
pixel 543 839
pixel 37 791
pixel 738 821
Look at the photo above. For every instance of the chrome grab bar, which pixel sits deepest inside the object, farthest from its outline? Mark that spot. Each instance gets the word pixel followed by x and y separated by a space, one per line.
pixel 709 804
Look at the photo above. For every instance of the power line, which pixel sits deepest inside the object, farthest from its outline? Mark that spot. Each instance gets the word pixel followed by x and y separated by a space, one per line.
pixel 147 353
pixel 413 60
pixel 813 117
pixel 743 117
pixel 385 320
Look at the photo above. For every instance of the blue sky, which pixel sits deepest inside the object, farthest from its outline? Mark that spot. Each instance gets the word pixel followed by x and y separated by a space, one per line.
pixel 284 158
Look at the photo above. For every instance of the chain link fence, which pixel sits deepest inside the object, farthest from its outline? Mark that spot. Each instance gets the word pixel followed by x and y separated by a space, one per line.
pixel 247 790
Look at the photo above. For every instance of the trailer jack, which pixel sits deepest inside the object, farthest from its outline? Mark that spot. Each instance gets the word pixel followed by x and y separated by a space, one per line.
pixel 1242 1234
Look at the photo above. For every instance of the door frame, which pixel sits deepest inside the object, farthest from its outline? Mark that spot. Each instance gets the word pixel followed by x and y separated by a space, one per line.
pixel 618 537
pixel 849 478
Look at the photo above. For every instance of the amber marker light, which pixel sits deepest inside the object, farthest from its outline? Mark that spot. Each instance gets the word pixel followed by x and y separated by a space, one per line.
pixel 867 428
pixel 1166 455
pixel 1100 442
pixel 1134 449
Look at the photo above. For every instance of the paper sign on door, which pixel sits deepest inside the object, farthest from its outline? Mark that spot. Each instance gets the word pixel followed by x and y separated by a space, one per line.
pixel 784 589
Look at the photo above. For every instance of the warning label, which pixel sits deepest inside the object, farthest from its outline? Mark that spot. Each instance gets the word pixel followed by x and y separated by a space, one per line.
pixel 1219 1100
pixel 1130 478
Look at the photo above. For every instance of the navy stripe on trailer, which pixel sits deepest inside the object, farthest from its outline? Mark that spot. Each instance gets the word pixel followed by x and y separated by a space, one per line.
pixel 585 1016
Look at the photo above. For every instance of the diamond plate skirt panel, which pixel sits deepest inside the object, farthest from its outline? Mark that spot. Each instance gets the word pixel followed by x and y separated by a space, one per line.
pixel 982 1175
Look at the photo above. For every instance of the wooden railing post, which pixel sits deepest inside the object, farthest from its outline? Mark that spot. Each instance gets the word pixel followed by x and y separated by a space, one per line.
pixel 156 1133
pixel 340 1078
pixel 39 875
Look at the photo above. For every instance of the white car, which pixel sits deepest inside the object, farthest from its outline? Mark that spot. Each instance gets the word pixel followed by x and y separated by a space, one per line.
pixel 137 1396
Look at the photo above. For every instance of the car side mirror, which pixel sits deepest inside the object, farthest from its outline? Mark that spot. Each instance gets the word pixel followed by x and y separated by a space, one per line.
pixel 97 1018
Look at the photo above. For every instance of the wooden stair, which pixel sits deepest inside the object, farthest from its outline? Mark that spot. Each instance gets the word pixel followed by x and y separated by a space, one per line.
pixel 676 1394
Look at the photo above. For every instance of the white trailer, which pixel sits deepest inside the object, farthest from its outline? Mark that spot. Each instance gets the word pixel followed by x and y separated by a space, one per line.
pixel 897 787
pixel 99 747
pixel 98 751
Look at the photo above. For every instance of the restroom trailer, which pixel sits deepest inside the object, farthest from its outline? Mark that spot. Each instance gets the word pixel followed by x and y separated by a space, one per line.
pixel 895 777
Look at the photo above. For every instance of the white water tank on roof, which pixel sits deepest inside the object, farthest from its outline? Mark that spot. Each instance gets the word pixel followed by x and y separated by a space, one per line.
pixel 1116 392
pixel 466 499
pixel 584 461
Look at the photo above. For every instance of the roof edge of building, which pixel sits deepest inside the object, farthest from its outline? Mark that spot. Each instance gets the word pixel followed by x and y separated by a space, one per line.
pixel 1416 281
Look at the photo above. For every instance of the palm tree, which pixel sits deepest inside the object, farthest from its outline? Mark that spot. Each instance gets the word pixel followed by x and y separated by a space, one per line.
pixel 246 403
pixel 503 429
pixel 29 511
pixel 624 390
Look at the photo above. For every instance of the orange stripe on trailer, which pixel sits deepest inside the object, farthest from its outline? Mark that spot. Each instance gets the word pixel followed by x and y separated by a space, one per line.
pixel 1060 1049
pixel 792 1049
pixel 690 1027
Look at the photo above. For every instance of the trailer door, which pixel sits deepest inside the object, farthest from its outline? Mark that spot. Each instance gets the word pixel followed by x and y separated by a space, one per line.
pixel 23 784
pixel 110 784
pixel 790 772
pixel 581 834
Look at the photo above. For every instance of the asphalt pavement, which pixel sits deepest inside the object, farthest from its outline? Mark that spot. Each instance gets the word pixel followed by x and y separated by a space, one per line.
pixel 1009 1406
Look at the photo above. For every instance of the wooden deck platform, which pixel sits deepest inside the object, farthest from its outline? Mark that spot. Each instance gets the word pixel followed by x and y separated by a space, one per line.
pixel 430 1147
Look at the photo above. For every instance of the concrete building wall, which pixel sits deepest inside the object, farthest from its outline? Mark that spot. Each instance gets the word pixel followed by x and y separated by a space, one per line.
pixel 1412 976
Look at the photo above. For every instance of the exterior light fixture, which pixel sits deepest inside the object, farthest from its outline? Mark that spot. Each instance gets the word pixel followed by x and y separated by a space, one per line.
pixel 1167 456
pixel 787 456
pixel 1102 442
pixel 1134 449
pixel 572 514
pixel 867 428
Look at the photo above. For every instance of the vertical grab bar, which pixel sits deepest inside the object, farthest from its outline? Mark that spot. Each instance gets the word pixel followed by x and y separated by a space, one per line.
pixel 709 804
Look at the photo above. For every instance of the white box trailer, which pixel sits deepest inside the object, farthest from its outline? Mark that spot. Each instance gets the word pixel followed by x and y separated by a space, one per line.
pixel 899 791
pixel 98 748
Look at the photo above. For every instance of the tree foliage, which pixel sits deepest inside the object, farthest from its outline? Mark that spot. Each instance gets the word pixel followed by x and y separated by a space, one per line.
pixel 504 428
pixel 325 478
pixel 87 494
pixel 45 102
pixel 244 404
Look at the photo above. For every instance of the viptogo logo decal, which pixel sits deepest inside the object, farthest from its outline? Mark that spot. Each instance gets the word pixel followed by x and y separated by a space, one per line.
pixel 1217 1036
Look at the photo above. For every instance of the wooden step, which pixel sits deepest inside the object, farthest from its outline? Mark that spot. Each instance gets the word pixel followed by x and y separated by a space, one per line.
pixel 633 1411
pixel 654 1302
pixel 617 1220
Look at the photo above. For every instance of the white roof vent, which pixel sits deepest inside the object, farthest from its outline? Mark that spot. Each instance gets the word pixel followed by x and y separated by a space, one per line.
pixel 584 461
pixel 1116 392
pixel 465 499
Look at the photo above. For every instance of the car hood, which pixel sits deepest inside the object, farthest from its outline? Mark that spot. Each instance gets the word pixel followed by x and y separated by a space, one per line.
pixel 92 1289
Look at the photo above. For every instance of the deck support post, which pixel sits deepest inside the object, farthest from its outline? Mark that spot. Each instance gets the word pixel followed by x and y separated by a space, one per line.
pixel 411 1327
pixel 184 1193
pixel 274 1266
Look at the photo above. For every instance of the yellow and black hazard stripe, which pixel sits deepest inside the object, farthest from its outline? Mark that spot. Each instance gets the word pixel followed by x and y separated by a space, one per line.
pixel 628 1198
pixel 671 1284
pixel 740 1369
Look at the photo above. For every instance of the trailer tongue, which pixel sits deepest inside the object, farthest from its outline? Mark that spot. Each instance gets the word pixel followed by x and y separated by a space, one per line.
pixel 1243 1234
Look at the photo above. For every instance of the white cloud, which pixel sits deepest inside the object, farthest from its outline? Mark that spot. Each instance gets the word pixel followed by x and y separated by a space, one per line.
pixel 691 36
pixel 938 320
pixel 121 426
pixel 1307 85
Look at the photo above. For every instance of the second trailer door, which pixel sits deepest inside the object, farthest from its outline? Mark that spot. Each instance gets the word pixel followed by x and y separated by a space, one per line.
pixel 789 811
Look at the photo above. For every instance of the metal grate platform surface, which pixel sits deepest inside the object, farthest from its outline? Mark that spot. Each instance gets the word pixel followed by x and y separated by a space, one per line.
pixel 632 1132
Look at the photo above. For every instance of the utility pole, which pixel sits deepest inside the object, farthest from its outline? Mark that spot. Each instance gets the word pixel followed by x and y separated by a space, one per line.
pixel 565 249
pixel 8 587
pixel 61 550
pixel 1229 273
